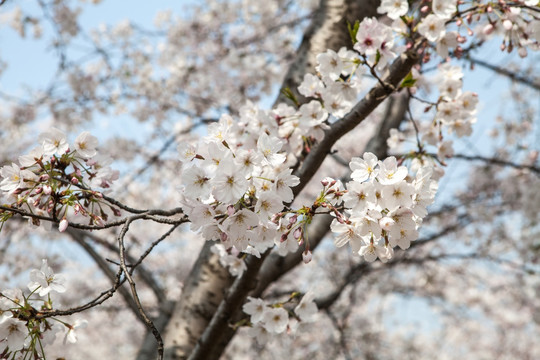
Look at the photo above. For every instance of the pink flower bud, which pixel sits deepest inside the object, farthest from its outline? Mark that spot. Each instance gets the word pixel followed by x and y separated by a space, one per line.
pixel 223 237
pixel 44 177
pixel 424 9
pixel 283 237
pixel 297 233
pixel 307 256
pixel 522 52
pixel 99 221
pixel 293 219
pixel 507 24
pixel 63 225
pixel 47 189
pixel 74 180
pixel 459 22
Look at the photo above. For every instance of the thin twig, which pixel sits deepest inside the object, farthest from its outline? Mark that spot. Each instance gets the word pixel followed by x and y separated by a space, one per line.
pixel 148 322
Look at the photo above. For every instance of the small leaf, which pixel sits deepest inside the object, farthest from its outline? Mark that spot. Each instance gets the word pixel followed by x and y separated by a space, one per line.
pixel 409 81
pixel 353 30
pixel 289 95
pixel 377 57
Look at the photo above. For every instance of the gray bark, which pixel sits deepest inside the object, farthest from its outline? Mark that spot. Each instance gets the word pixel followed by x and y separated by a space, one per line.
pixel 202 293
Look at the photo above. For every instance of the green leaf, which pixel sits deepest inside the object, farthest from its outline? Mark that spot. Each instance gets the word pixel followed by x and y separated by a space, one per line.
pixel 353 30
pixel 289 95
pixel 377 57
pixel 409 81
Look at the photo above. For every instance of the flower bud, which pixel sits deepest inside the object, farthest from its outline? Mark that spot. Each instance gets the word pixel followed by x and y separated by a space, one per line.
pixel 63 225
pixel 522 52
pixel 307 256
pixel 223 237
pixel 74 180
pixel 98 221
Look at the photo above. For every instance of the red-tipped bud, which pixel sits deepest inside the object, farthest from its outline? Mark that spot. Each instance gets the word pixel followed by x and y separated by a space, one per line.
pixel 307 256
pixel 223 237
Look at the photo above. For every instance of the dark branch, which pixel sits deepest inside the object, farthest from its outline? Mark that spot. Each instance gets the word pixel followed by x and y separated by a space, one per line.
pixel 512 75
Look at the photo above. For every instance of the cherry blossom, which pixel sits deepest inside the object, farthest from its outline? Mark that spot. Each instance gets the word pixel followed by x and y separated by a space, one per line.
pixel 45 280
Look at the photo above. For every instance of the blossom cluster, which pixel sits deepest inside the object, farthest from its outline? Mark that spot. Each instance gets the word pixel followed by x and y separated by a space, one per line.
pixel 270 319
pixel 22 332
pixel 237 181
pixel 512 20
pixel 54 181
pixel 383 207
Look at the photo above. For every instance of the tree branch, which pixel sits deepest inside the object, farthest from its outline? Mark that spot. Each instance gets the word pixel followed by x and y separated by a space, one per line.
pixel 499 162
pixel 532 83
pixel 398 70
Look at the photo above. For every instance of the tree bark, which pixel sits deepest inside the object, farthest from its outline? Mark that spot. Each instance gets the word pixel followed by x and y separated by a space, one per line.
pixel 202 293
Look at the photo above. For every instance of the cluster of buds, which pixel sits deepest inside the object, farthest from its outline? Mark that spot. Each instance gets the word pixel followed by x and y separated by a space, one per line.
pixel 54 182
